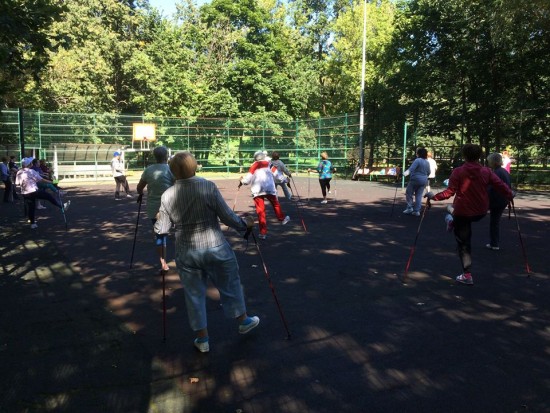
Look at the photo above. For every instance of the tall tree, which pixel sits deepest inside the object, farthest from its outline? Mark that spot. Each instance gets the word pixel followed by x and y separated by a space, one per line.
pixel 24 43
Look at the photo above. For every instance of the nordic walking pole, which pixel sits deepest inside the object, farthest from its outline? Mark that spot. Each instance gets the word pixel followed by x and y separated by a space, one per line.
pixel 236 196
pixel 298 201
pixel 335 188
pixel 139 200
pixel 268 278
pixel 163 274
pixel 62 209
pixel 308 184
pixel 426 207
pixel 394 198
pixel 521 240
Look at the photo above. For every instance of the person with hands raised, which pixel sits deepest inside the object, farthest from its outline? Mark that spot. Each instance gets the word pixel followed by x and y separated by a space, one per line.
pixel 195 207
pixel 468 183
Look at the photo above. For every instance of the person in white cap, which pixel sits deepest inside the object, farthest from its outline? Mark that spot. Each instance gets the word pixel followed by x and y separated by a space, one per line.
pixel 262 185
pixel 195 207
pixel 28 180
pixel 120 178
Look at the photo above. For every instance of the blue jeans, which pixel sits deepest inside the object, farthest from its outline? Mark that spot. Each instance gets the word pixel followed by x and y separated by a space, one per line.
pixel 416 190
pixel 220 265
pixel 286 190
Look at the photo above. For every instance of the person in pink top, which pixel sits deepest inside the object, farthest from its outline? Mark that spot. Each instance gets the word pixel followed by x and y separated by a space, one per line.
pixel 506 161
pixel 28 179
pixel 469 183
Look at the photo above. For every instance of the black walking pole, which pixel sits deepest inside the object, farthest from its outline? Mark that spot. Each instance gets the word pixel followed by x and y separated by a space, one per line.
pixel 521 240
pixel 426 207
pixel 163 274
pixel 394 198
pixel 140 198
pixel 268 278
pixel 298 202
pixel 62 208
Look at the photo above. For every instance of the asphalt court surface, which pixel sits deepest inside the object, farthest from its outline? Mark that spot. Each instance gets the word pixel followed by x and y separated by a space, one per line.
pixel 81 331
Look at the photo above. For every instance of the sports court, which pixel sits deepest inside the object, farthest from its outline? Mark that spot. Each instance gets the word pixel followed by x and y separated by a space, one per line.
pixel 81 331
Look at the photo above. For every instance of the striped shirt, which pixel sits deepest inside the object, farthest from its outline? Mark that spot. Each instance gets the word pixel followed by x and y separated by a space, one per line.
pixel 193 206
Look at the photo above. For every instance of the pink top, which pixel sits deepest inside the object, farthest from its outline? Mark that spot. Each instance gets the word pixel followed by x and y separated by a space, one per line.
pixel 27 179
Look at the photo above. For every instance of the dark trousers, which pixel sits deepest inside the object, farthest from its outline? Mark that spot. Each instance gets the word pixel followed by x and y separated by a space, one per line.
pixel 325 186
pixel 30 202
pixel 494 226
pixel 121 181
pixel 463 235
pixel 8 189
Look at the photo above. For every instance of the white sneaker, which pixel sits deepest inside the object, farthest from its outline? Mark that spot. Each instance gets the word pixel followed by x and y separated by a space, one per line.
pixel 408 211
pixel 66 205
pixel 202 347
pixel 324 201
pixel 251 322
pixel 489 246
pixel 416 213
pixel 40 206
pixel 285 221
pixel 129 196
pixel 34 226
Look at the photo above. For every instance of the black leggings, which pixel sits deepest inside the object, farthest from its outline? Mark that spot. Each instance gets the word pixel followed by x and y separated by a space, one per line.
pixel 463 235
pixel 325 185
pixel 30 202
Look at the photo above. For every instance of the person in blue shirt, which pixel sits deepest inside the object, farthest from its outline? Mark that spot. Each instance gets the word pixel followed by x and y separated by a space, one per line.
pixel 418 172
pixel 325 171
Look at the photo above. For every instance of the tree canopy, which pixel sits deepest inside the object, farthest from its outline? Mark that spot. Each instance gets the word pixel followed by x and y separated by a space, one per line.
pixel 455 69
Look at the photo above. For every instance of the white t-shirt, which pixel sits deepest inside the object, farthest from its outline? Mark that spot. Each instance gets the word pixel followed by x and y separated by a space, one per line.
pixel 433 167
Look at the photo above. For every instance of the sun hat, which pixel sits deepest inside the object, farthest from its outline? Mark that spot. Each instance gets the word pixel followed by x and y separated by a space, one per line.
pixel 27 161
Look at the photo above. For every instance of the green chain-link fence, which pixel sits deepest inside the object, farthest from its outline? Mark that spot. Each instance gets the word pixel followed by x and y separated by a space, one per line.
pixel 223 145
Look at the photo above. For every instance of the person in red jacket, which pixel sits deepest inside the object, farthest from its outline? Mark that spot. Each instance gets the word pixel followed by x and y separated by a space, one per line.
pixel 469 184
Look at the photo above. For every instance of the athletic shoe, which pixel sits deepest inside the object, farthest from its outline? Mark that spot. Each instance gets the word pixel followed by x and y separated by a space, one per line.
pixel 324 201
pixel 129 196
pixel 34 226
pixel 248 324
pixel 66 205
pixel 262 236
pixel 203 347
pixel 465 278
pixel 118 199
pixel 329 192
pixel 449 221
pixel 416 213
pixel 408 211
pixel 489 246
pixel 40 206
pixel 285 221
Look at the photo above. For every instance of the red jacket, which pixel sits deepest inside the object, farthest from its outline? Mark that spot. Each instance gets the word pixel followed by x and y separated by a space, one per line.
pixel 469 183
